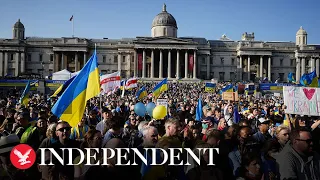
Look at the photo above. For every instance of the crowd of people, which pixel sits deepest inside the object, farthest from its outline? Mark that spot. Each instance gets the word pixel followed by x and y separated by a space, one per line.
pixel 266 143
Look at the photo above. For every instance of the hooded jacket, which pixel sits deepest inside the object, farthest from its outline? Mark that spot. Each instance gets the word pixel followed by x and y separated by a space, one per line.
pixel 292 166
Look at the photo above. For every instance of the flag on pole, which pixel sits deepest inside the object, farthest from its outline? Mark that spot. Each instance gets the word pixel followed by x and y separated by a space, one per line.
pixel 199 110
pixel 24 99
pixel 71 18
pixel 71 105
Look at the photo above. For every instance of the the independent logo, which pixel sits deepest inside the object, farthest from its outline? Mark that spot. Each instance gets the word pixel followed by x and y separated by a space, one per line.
pixel 22 156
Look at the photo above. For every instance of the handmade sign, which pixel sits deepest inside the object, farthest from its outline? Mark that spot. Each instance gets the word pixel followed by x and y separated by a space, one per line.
pixel 302 100
pixel 230 96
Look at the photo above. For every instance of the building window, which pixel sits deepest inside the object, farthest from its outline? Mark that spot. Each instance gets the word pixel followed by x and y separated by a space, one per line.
pixel 281 62
pixel 132 59
pixel 281 77
pixel 232 76
pixel 51 57
pixel 12 57
pixel 40 57
pixel 165 31
pixel 211 60
pixel 29 57
pixel 291 62
pixel 203 61
pixel 115 59
pixel 123 59
pixel 221 76
pixel 222 60
pixel 232 61
pixel 104 59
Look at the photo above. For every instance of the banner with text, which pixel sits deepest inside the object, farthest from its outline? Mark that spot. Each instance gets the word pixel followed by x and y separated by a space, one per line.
pixel 302 100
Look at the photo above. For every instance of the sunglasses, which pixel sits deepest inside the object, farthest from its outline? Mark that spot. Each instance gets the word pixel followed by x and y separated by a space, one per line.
pixel 308 141
pixel 63 129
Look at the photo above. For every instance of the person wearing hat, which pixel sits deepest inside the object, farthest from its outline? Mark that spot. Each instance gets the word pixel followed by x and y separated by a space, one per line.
pixel 262 135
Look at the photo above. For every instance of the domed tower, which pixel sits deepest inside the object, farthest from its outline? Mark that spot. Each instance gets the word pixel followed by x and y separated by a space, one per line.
pixel 301 37
pixel 164 24
pixel 18 30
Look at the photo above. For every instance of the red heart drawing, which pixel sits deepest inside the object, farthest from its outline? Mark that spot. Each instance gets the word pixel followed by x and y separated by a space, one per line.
pixel 309 93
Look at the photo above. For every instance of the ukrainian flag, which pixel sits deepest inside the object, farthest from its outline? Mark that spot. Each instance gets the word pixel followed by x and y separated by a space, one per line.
pixel 291 78
pixel 142 93
pixel 210 87
pixel 122 84
pixel 159 88
pixel 228 88
pixel 62 88
pixel 86 85
pixel 24 99
pixel 309 80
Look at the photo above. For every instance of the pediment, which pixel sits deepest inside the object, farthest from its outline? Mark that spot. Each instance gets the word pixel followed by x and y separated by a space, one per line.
pixel 163 40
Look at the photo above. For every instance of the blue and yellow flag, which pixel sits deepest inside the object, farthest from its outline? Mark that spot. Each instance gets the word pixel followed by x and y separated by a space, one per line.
pixel 228 88
pixel 159 88
pixel 210 87
pixel 309 80
pixel 142 93
pixel 62 88
pixel 291 78
pixel 86 85
pixel 24 99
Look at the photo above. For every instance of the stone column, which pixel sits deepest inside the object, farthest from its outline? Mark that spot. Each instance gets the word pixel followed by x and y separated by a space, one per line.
pixel 269 68
pixel 1 63
pixel 317 66
pixel 208 66
pixel 6 59
pixel 161 65
pixel 241 66
pixel 16 73
pixel 312 64
pixel 135 63
pixel 178 65
pixel 119 63
pixel 195 64
pixel 169 64
pixel 186 64
pixel 62 61
pixel 84 58
pixel 152 64
pixel 261 66
pixel 248 68
pixel 56 62
pixel 303 66
pixel 76 63
pixel 298 69
pixel 23 62
pixel 144 63
pixel 129 69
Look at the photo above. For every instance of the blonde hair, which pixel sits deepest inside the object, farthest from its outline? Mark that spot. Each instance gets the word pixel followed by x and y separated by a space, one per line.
pixel 280 128
pixel 51 130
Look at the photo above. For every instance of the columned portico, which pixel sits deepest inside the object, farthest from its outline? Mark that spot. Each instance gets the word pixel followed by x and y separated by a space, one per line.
pixel 165 63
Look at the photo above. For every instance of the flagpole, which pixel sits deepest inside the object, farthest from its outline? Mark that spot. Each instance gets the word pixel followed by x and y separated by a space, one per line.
pixel 72 26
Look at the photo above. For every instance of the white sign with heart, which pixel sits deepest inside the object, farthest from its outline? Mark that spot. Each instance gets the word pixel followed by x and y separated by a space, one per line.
pixel 302 100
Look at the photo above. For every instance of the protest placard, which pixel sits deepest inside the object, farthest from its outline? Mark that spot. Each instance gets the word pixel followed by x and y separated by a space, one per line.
pixel 230 96
pixel 302 100
pixel 163 102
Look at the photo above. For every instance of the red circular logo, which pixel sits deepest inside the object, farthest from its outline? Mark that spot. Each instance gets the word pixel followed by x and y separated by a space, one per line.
pixel 22 156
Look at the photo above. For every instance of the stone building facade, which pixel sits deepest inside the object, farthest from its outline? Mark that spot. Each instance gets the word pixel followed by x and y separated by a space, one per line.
pixel 164 54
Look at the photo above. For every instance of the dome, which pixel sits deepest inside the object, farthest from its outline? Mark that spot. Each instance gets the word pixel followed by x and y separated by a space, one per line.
pixel 164 19
pixel 18 24
pixel 301 31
